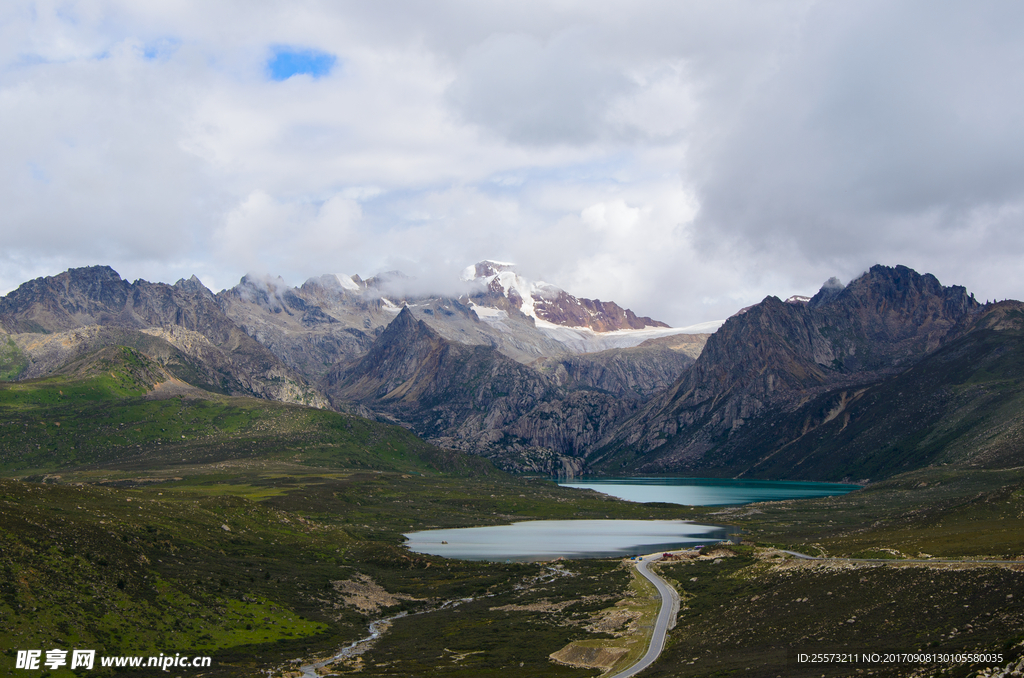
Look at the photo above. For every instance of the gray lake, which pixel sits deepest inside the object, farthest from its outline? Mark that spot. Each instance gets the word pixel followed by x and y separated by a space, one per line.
pixel 549 539
pixel 707 491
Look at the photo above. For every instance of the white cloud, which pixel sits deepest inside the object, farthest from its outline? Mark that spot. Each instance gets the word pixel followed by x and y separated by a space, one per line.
pixel 538 93
pixel 682 158
pixel 886 130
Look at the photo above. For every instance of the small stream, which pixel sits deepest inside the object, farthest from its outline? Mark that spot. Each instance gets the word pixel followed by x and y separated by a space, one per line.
pixel 354 648
pixel 379 626
pixel 376 629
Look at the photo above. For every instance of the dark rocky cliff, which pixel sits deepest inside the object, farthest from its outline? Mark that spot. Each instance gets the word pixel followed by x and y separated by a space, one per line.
pixel 75 298
pixel 564 309
pixel 476 399
pixel 637 373
pixel 776 355
pixel 960 405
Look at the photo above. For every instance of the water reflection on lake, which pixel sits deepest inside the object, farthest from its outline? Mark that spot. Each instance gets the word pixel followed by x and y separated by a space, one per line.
pixel 707 491
pixel 549 539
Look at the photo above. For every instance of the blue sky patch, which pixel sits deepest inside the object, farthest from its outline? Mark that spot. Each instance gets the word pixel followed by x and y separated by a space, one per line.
pixel 38 173
pixel 160 49
pixel 288 61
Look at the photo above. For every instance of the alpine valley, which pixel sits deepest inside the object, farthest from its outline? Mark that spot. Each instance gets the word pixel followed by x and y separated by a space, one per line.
pixel 538 380
pixel 230 474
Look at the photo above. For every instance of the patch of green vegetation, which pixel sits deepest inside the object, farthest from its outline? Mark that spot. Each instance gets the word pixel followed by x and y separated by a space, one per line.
pixel 110 375
pixel 124 573
pixel 12 361
pixel 940 512
pixel 103 417
pixel 749 616
pixel 504 630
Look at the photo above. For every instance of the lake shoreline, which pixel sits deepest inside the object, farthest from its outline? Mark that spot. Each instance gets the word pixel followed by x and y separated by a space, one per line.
pixel 707 491
pixel 545 540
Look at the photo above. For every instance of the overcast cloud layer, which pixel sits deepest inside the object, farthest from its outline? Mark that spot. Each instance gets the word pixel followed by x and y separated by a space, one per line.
pixel 682 158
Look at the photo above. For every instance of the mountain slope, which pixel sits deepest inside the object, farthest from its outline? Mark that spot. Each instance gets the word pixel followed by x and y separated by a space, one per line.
pixel 777 355
pixel 962 405
pixel 185 314
pixel 476 399
pixel 333 318
pixel 118 408
pixel 637 373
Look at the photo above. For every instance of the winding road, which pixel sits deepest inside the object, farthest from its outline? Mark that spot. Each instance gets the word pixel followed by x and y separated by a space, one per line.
pixel 666 617
pixel 670 599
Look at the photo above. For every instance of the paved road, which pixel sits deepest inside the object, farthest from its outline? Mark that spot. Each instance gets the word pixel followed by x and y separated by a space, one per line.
pixel 670 600
pixel 666 618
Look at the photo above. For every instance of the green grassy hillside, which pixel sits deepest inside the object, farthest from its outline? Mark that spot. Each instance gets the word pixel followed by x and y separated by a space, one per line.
pixel 109 410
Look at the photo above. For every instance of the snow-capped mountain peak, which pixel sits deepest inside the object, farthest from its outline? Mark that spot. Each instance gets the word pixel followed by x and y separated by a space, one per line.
pixel 485 269
pixel 547 303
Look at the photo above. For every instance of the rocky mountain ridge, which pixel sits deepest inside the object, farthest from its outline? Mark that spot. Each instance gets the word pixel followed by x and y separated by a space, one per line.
pixel 960 405
pixel 807 387
pixel 266 339
pixel 333 318
pixel 777 355
pixel 81 305
pixel 477 399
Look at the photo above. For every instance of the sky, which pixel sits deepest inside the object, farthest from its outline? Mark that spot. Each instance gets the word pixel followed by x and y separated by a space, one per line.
pixel 682 158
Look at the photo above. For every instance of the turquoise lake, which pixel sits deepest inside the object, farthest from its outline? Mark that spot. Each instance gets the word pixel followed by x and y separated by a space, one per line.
pixel 707 491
